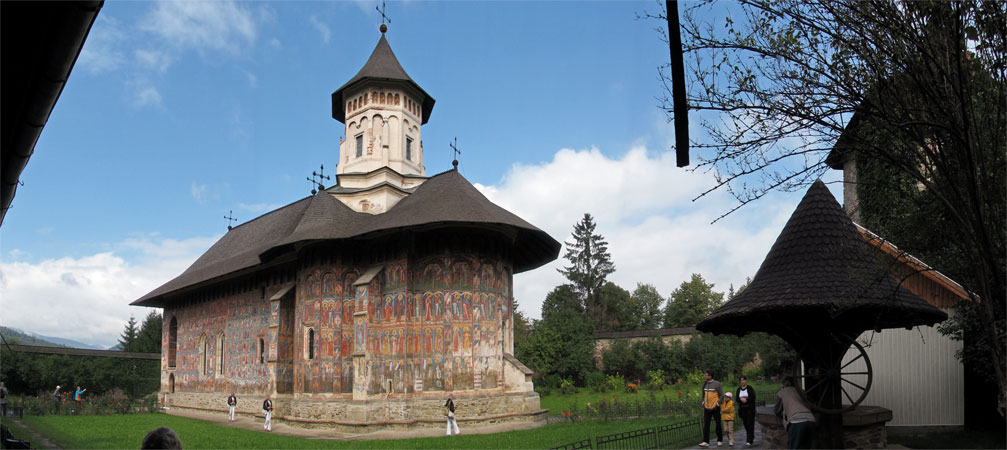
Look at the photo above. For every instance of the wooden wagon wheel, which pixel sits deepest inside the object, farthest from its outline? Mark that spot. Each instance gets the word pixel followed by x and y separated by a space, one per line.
pixel 853 383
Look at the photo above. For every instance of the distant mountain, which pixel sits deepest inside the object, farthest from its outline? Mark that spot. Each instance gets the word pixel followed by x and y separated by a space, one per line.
pixel 29 338
pixel 13 336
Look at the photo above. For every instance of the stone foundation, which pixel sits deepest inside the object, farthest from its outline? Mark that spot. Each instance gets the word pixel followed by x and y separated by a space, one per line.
pixel 863 427
pixel 342 413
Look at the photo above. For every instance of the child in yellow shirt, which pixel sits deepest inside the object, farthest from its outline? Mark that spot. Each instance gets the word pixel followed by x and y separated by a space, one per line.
pixel 727 417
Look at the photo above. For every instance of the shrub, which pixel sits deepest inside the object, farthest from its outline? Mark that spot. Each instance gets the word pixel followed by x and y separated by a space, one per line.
pixel 616 382
pixel 655 379
pixel 596 381
pixel 695 377
pixel 752 372
pixel 566 386
pixel 631 388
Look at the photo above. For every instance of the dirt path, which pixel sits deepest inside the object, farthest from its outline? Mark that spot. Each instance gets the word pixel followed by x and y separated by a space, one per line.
pixel 255 424
pixel 37 440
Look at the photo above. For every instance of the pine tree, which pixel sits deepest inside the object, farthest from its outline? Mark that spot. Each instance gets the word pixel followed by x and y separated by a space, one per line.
pixel 590 264
pixel 128 337
pixel 148 340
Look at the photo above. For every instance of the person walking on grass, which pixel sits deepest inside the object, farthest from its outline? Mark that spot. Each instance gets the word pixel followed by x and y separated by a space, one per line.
pixel 711 397
pixel 232 402
pixel 449 413
pixel 267 409
pixel 745 397
pixel 727 416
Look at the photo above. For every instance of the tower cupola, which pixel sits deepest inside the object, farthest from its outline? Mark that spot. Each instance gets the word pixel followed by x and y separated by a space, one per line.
pixel 382 109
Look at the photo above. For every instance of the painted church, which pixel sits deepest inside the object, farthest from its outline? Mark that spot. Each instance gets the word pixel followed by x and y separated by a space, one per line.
pixel 365 304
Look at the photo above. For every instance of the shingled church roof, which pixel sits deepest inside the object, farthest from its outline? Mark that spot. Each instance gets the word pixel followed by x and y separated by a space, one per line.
pixel 384 66
pixel 444 200
pixel 821 274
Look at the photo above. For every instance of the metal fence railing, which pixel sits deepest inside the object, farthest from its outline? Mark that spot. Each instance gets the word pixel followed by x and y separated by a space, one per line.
pixel 664 436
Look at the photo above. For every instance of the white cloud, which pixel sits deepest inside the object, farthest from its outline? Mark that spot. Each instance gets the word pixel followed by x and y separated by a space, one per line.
pixel 218 25
pixel 147 96
pixel 87 299
pixel 253 81
pixel 322 28
pixel 102 50
pixel 643 206
pixel 154 59
pixel 199 192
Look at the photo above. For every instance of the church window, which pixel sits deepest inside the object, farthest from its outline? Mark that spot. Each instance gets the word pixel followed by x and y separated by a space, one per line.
pixel 409 149
pixel 262 351
pixel 220 355
pixel 382 98
pixel 396 99
pixel 311 343
pixel 202 355
pixel 172 341
pixel 360 145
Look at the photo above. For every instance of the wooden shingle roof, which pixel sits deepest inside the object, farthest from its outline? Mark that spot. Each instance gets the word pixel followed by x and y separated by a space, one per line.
pixel 445 200
pixel 820 275
pixel 382 66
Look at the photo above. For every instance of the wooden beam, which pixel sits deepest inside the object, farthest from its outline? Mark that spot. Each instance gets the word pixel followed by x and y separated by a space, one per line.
pixel 81 352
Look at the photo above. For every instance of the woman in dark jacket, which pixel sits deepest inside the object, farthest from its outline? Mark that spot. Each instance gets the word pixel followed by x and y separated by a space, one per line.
pixel 449 412
pixel 745 399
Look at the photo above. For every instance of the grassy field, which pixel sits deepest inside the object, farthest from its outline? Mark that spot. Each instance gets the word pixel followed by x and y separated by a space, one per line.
pixel 127 431
pixel 557 402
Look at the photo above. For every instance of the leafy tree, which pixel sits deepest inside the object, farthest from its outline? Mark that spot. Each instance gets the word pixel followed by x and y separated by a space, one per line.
pixel 691 302
pixel 917 87
pixel 522 331
pixel 561 345
pixel 648 301
pixel 617 311
pixel 128 336
pixel 561 299
pixel 590 265
pixel 148 339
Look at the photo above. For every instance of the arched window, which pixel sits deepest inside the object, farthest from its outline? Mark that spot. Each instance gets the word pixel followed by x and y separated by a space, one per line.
pixel 262 351
pixel 203 361
pixel 311 343
pixel 171 383
pixel 220 355
pixel 172 341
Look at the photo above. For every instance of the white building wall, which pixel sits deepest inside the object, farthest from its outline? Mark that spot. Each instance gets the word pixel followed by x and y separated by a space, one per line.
pixel 916 375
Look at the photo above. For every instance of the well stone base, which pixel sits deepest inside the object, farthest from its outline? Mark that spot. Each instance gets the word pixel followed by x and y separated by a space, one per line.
pixel 863 427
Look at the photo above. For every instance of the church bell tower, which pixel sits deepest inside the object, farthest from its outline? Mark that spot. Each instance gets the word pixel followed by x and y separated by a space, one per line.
pixel 382 109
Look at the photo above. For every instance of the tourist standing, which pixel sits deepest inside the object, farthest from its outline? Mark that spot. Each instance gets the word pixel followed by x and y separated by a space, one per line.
pixel 55 395
pixel 745 398
pixel 727 416
pixel 232 402
pixel 711 396
pixel 797 417
pixel 449 413
pixel 267 409
pixel 76 398
pixel 3 400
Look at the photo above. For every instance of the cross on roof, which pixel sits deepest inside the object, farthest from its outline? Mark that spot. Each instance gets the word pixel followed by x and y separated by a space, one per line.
pixel 316 179
pixel 230 219
pixel 454 148
pixel 384 17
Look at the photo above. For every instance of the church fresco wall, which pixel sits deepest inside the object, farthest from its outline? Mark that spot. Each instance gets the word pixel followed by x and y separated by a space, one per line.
pixel 243 319
pixel 432 324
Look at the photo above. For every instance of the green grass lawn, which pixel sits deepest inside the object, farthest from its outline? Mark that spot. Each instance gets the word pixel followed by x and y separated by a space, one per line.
pixel 127 431
pixel 557 402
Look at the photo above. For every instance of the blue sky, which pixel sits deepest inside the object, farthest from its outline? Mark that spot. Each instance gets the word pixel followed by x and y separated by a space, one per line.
pixel 177 113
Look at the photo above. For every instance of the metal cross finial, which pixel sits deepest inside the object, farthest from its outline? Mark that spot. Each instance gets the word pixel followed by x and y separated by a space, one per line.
pixel 384 17
pixel 230 219
pixel 317 178
pixel 454 148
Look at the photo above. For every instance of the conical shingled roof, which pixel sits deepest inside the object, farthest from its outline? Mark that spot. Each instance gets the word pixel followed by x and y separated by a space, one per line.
pixel 820 276
pixel 382 65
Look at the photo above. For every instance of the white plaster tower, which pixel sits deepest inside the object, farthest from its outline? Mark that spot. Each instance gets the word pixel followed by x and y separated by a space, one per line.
pixel 381 158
